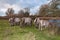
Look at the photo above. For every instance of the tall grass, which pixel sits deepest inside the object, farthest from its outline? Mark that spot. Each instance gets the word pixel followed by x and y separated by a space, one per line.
pixel 27 33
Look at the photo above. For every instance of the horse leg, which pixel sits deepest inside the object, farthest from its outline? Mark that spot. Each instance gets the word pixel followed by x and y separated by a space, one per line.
pixel 12 24
pixel 36 25
pixel 40 27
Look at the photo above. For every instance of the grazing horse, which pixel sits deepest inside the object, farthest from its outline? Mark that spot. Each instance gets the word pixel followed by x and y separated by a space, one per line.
pixel 36 22
pixel 26 21
pixel 11 21
pixel 41 23
pixel 17 21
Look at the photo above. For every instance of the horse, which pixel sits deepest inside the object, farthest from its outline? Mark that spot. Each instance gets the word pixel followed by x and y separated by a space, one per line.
pixel 17 21
pixel 11 21
pixel 26 21
pixel 40 23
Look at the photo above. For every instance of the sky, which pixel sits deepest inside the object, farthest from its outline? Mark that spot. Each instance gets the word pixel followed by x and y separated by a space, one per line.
pixel 20 4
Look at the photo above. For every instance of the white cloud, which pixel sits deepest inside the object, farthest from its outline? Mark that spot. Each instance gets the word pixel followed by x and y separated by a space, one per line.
pixel 5 6
pixel 34 10
pixel 48 1
pixel 35 4
pixel 3 10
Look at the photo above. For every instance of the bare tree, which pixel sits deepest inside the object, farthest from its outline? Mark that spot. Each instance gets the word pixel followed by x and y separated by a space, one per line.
pixel 54 8
pixel 10 12
pixel 26 11
pixel 43 10
pixel 21 13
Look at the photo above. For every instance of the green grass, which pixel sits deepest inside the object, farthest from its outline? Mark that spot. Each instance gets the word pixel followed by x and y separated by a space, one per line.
pixel 27 33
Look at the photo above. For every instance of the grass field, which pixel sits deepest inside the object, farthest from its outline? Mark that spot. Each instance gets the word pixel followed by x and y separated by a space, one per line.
pixel 28 33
